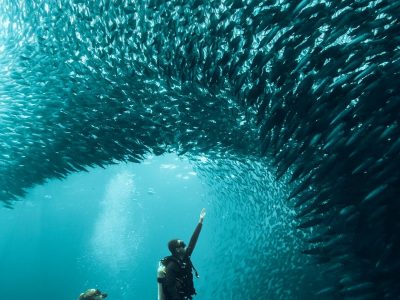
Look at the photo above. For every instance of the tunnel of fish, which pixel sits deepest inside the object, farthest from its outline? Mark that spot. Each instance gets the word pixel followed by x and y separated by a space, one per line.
pixel 311 87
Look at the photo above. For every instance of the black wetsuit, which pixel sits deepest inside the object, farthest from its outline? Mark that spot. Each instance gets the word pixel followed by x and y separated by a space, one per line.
pixel 179 278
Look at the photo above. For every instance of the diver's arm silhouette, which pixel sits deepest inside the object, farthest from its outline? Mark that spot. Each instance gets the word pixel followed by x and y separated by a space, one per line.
pixel 196 233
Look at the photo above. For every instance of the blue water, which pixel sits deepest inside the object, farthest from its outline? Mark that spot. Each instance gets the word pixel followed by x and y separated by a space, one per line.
pixel 104 229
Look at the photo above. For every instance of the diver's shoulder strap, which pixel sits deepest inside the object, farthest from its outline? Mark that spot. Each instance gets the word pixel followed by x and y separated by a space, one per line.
pixel 194 269
pixel 166 260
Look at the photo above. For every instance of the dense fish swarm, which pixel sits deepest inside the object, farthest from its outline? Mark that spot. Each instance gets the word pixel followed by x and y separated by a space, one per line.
pixel 312 86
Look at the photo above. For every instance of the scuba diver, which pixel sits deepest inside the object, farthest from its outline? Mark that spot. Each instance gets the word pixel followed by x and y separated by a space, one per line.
pixel 175 278
pixel 92 294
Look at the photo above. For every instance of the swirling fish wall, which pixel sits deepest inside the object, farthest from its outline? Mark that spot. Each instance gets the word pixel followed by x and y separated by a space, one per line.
pixel 311 86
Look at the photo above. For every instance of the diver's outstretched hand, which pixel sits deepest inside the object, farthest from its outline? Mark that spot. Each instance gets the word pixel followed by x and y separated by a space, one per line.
pixel 202 215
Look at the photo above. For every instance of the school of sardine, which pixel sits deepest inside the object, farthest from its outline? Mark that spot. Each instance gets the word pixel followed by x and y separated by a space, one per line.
pixel 313 87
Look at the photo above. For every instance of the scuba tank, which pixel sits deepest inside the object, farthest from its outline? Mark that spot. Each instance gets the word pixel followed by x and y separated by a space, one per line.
pixel 161 272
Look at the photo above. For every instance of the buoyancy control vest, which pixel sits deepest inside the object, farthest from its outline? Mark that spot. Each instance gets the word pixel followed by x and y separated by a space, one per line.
pixel 184 279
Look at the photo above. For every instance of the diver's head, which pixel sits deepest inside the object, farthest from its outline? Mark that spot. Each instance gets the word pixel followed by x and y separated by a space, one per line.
pixel 92 294
pixel 177 247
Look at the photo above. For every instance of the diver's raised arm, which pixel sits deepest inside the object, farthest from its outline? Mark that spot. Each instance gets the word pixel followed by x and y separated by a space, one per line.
pixel 195 235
